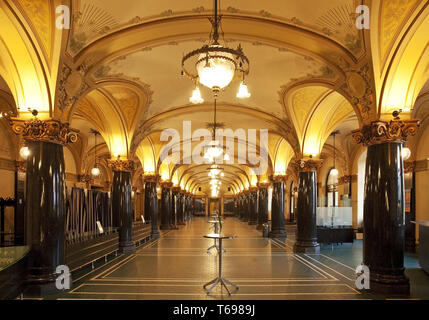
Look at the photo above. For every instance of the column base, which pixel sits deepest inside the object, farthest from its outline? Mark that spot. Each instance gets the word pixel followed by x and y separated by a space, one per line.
pixel 155 235
pixel 165 227
pixel 127 248
pixel 44 289
pixel 290 223
pixel 277 234
pixel 252 223
pixel 300 247
pixel 389 284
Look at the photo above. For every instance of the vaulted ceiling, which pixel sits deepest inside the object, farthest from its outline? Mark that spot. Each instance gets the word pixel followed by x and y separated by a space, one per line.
pixel 117 70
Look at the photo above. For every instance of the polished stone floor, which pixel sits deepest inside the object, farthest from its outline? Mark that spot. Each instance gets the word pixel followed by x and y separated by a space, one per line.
pixel 177 265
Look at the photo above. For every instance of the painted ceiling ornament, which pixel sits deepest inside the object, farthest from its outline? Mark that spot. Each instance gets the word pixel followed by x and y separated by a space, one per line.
pixel 361 92
pixel 378 132
pixel 51 130
pixel 213 65
pixel 121 165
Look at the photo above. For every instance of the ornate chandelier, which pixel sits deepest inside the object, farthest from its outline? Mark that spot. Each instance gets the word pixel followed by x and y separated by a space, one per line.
pixel 215 66
pixel 215 171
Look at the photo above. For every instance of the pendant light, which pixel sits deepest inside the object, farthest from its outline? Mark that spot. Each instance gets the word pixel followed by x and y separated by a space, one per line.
pixel 334 171
pixel 95 171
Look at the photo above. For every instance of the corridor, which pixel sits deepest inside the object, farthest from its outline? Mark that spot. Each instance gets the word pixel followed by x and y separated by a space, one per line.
pixel 176 266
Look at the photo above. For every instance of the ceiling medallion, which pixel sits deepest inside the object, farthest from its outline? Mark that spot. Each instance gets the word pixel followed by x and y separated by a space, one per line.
pixel 215 66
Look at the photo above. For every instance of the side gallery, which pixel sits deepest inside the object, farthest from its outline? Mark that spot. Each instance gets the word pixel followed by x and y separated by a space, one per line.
pixel 183 310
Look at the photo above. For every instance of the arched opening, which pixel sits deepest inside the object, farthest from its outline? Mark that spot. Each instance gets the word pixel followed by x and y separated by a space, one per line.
pixel 332 188
pixel 361 187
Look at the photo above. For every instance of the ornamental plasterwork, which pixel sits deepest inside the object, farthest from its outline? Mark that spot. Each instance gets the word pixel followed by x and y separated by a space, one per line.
pixel 92 23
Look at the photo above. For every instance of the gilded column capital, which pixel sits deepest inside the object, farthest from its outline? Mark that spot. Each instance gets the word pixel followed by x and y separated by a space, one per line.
pixel 263 185
pixel 21 166
pixel 166 184
pixel 253 189
pixel 278 178
pixel 150 178
pixel 121 165
pixel 308 165
pixel 50 130
pixel 176 189
pixel 378 132
pixel 409 166
pixel 344 180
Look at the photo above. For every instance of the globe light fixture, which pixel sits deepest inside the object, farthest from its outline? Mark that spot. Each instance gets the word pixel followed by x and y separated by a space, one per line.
pixel 213 65
pixel 24 152
pixel 406 153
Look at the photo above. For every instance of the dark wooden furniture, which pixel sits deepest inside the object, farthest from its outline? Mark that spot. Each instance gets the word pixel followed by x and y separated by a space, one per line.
pixel 335 235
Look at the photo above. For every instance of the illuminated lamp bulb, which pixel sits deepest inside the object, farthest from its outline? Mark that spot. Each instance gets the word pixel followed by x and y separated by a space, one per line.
pixel 334 172
pixel 216 72
pixel 243 91
pixel 196 96
pixel 95 172
pixel 406 153
pixel 24 152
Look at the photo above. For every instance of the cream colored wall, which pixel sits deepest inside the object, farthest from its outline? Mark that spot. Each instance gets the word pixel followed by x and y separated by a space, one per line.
pixel 422 180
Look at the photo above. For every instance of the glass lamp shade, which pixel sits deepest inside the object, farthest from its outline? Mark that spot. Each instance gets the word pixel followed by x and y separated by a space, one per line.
pixel 196 96
pixel 334 172
pixel 95 172
pixel 216 71
pixel 243 91
pixel 24 152
pixel 406 153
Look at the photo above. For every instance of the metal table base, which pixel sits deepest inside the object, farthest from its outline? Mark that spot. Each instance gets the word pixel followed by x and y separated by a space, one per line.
pixel 220 279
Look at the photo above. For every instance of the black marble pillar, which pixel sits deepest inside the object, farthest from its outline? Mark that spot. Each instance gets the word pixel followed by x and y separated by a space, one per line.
pixel 151 204
pixel 306 236
pixel 383 245
pixel 122 207
pixel 253 207
pixel 174 206
pixel 180 211
pixel 262 207
pixel 240 207
pixel 277 209
pixel 45 210
pixel 166 206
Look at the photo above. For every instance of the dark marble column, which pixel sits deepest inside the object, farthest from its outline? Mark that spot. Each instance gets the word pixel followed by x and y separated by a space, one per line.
pixel 240 206
pixel 122 205
pixel 253 208
pixel 175 194
pixel 180 211
pixel 246 204
pixel 46 210
pixel 384 224
pixel 151 203
pixel 166 205
pixel 306 236
pixel 277 208
pixel 46 197
pixel 262 205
